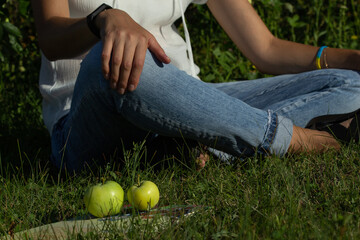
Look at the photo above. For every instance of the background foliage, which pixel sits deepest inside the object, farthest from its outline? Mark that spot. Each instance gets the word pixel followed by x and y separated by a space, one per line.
pixel 20 61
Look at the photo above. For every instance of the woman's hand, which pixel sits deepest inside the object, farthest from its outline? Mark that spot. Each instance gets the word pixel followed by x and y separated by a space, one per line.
pixel 125 42
pixel 124 48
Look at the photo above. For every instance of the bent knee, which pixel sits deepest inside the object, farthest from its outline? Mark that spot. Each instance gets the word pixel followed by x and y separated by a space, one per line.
pixel 153 68
pixel 348 78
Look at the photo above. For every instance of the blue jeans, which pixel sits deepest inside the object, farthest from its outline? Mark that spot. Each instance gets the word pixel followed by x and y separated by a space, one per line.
pixel 239 118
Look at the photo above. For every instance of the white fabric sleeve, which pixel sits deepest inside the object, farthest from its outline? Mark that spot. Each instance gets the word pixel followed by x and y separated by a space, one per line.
pixel 199 1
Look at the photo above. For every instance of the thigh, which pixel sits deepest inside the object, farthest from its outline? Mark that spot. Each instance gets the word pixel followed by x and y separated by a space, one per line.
pixel 301 97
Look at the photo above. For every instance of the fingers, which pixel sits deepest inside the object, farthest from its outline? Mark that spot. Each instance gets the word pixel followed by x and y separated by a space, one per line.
pixel 105 59
pixel 133 61
pixel 127 61
pixel 155 48
pixel 137 66
pixel 124 49
pixel 125 67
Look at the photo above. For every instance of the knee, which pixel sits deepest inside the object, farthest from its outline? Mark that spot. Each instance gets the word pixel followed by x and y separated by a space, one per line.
pixel 91 66
pixel 92 61
pixel 348 78
pixel 157 76
pixel 355 77
pixel 90 74
pixel 153 68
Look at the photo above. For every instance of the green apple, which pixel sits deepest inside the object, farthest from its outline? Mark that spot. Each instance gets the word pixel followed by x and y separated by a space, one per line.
pixel 104 199
pixel 143 196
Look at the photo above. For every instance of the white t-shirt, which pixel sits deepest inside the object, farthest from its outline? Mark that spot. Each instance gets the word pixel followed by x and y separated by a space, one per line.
pixel 57 78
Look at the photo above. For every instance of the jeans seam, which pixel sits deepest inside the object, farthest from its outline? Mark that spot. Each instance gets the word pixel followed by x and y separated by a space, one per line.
pixel 269 136
pixel 58 142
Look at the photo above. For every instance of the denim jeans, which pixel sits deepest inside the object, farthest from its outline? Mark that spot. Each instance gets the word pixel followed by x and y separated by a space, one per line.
pixel 241 118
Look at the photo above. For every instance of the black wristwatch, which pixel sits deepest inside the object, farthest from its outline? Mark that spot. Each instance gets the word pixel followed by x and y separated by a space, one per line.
pixel 91 19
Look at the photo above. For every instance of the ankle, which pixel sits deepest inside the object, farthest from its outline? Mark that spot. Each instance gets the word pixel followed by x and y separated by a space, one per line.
pixel 308 140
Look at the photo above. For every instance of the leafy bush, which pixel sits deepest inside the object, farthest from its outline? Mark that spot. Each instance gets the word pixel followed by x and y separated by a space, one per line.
pixel 20 101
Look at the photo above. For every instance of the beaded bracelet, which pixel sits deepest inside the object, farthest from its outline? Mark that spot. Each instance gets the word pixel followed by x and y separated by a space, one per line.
pixel 318 55
pixel 325 59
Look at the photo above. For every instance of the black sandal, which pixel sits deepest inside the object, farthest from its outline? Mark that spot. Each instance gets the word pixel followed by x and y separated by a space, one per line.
pixel 331 124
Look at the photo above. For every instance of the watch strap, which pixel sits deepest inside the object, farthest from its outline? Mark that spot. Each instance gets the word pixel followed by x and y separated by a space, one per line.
pixel 91 19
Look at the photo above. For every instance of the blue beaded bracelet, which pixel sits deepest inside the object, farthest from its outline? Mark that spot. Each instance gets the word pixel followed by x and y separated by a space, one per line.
pixel 318 56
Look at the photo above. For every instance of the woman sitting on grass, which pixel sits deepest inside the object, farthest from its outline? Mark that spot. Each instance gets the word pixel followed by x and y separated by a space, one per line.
pixel 122 74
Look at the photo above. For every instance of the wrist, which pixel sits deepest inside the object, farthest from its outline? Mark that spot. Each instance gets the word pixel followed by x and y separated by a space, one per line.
pixel 343 58
pixel 99 19
pixel 94 25
pixel 356 60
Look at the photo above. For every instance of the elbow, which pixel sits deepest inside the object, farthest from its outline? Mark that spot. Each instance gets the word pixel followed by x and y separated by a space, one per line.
pixel 54 50
pixel 267 68
pixel 260 67
pixel 262 64
pixel 264 59
pixel 50 53
pixel 264 68
pixel 51 47
pixel 50 57
pixel 48 50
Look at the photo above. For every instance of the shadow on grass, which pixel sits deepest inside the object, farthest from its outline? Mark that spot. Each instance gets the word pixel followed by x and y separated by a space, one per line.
pixel 27 152
pixel 20 151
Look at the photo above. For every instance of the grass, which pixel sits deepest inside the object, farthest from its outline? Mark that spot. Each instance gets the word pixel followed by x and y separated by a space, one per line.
pixel 306 197
pixel 303 197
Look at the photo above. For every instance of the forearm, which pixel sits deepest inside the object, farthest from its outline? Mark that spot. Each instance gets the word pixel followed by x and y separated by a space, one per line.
pixel 343 58
pixel 63 37
pixel 283 57
pixel 59 35
pixel 288 57
pixel 268 53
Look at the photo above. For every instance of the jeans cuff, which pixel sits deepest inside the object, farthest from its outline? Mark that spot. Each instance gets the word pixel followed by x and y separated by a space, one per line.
pixel 283 135
pixel 277 136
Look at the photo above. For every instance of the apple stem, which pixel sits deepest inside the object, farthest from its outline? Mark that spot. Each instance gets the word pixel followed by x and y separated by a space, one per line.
pixel 103 180
pixel 138 179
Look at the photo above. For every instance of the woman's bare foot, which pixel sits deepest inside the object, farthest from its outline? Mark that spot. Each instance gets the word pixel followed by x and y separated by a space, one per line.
pixel 201 156
pixel 346 123
pixel 201 161
pixel 308 140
